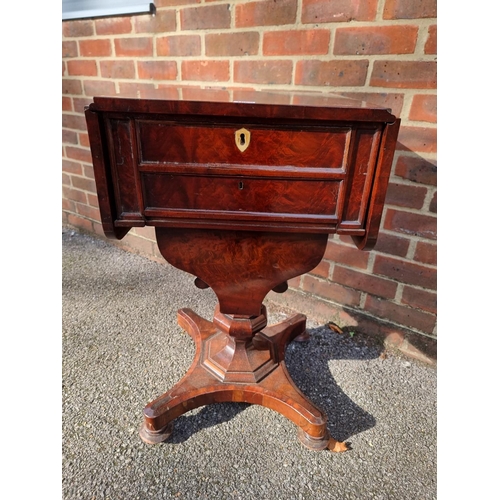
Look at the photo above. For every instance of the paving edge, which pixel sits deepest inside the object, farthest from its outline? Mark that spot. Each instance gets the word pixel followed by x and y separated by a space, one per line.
pixel 409 343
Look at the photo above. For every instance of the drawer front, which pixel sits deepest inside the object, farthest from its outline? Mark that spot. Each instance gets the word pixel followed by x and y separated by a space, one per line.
pixel 177 143
pixel 243 195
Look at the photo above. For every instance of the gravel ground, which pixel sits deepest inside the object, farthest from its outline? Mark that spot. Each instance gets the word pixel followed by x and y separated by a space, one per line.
pixel 122 348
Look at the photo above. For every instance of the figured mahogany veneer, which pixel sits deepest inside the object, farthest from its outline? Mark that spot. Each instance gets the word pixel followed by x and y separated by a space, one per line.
pixel 243 196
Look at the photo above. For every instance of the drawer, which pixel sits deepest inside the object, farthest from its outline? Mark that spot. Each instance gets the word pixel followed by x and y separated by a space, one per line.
pixel 207 144
pixel 164 193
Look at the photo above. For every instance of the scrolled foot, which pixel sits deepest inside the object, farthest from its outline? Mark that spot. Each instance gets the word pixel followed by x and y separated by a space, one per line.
pixel 313 443
pixel 322 443
pixel 155 437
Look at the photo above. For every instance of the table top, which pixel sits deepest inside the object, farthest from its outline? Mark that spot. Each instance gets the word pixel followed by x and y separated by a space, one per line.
pixel 277 104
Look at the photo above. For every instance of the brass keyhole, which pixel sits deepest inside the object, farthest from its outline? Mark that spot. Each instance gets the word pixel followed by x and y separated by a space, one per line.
pixel 242 139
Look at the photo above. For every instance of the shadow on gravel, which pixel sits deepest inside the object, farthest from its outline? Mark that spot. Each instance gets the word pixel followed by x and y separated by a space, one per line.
pixel 307 363
pixel 214 414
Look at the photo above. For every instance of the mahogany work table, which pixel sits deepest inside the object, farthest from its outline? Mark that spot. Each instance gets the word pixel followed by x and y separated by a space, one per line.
pixel 243 195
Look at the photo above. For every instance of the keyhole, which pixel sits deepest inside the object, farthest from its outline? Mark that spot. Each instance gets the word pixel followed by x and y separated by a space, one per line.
pixel 242 139
pixel 240 184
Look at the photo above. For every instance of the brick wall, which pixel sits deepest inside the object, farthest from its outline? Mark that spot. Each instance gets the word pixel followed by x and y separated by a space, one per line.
pixel 383 51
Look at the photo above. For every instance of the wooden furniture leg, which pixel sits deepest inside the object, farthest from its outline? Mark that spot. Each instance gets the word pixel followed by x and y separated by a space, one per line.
pixel 226 369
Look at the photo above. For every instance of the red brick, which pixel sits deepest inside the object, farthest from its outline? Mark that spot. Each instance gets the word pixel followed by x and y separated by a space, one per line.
pixel 331 73
pixel 82 68
pixel 99 88
pixel 147 232
pixel 433 204
pixel 295 282
pixel 418 139
pixel 216 71
pixel 68 206
pixel 296 42
pixel 88 171
pixel 376 40
pixel 83 184
pixel 71 167
pixel 404 74
pixel 83 139
pixel 157 70
pixel 406 316
pixel 411 224
pixel 69 137
pixel 74 194
pixel 67 104
pixel 392 244
pixel 206 17
pixel 66 180
pixel 138 245
pixel 344 254
pixel 164 91
pixel 232 44
pixel 331 291
pixel 87 211
pixel 93 201
pixel 322 269
pixel 421 299
pixel 407 272
pixel 179 45
pixel 69 49
pixel 113 26
pixel 391 101
pixel 409 9
pixel 340 11
pixel 75 122
pixel 70 86
pixel 416 169
pixel 266 13
pixel 403 195
pixel 426 253
pixel 78 28
pixel 79 103
pixel 95 48
pixel 134 89
pixel 78 221
pixel 118 69
pixel 79 154
pixel 162 22
pixel 431 42
pixel 138 46
pixel 270 72
pixel 424 108
pixel 195 93
pixel 365 282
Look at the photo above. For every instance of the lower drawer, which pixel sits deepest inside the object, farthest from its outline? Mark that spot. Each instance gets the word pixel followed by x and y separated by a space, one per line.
pixel 164 192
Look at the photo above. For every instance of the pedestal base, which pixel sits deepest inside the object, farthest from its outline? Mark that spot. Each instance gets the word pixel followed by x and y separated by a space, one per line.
pixel 253 371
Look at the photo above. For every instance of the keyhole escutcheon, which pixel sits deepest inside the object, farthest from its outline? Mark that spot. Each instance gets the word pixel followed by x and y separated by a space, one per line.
pixel 242 139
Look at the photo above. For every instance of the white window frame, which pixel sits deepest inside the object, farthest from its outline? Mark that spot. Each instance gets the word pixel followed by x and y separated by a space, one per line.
pixel 82 9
